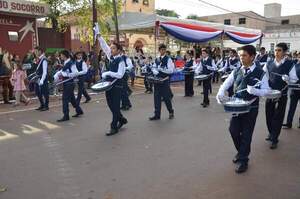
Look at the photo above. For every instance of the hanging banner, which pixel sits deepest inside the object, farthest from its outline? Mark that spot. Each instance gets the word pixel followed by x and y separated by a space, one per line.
pixel 243 38
pixel 190 32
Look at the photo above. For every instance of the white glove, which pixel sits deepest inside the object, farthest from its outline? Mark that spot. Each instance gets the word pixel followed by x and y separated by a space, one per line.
pixel 251 90
pixel 41 82
pixel 220 98
pixel 232 67
pixel 105 74
pixel 155 71
pixel 285 78
pixel 72 75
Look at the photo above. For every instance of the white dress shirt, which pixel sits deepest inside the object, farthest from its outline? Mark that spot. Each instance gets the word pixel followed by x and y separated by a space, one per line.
pixel 74 71
pixel 129 66
pixel 121 68
pixel 262 91
pixel 169 69
pixel 199 68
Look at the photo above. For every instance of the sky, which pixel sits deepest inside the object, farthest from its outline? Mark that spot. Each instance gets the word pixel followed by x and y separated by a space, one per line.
pixel 187 7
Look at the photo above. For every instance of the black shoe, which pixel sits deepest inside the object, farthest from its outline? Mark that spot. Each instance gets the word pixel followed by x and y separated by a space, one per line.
pixel 273 145
pixel 112 132
pixel 63 119
pixel 78 114
pixel 88 100
pixel 7 102
pixel 45 109
pixel 204 105
pixel 241 168
pixel 235 159
pixel 39 108
pixel 286 126
pixel 154 118
pixel 268 138
pixel 122 123
pixel 171 115
pixel 12 98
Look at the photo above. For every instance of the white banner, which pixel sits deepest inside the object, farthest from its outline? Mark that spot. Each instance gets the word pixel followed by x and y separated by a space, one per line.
pixel 24 7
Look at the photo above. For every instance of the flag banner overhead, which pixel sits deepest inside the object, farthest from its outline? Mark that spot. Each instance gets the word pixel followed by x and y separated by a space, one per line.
pixel 190 32
pixel 243 38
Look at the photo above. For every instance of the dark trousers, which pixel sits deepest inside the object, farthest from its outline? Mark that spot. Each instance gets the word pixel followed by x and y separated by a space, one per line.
pixel 230 91
pixel 125 92
pixel 69 97
pixel 294 98
pixel 188 85
pixel 206 89
pixel 215 77
pixel 148 86
pixel 5 88
pixel 82 91
pixel 162 91
pixel 42 92
pixel 275 111
pixel 241 130
pixel 113 98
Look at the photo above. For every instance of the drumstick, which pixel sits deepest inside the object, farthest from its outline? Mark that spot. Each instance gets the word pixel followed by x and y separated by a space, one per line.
pixel 257 84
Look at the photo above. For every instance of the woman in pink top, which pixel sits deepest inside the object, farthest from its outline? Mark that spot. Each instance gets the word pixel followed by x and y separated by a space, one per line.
pixel 18 81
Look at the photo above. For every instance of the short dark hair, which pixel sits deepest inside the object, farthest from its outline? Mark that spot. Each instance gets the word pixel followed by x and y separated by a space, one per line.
pixel 233 51
pixel 204 50
pixel 66 53
pixel 39 49
pixel 262 48
pixel 162 46
pixel 283 46
pixel 249 49
pixel 119 47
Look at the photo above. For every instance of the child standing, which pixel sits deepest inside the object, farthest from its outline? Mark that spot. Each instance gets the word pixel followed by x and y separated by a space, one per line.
pixel 18 81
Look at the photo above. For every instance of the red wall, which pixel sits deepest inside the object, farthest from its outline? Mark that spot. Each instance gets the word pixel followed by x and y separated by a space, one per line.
pixel 16 23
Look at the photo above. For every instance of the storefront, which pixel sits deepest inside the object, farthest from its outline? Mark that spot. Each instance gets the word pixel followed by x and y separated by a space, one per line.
pixel 18 28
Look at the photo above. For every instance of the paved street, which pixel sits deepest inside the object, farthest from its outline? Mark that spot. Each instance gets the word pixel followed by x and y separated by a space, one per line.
pixel 185 158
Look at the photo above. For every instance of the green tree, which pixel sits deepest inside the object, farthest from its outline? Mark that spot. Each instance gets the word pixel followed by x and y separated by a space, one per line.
pixel 193 16
pixel 167 13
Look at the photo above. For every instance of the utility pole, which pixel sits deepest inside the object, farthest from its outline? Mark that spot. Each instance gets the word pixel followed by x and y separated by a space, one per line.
pixel 94 17
pixel 116 21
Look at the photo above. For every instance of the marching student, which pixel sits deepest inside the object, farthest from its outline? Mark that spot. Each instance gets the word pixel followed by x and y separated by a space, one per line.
pixel 116 70
pixel 262 57
pixel 41 87
pixel 189 78
pixel 294 95
pixel 126 91
pixel 206 66
pixel 67 74
pixel 242 125
pixel 278 72
pixel 147 70
pixel 82 71
pixel 163 67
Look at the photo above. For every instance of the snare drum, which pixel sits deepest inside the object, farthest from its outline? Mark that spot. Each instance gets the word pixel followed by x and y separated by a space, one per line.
pixel 33 78
pixel 274 94
pixel 103 86
pixel 156 80
pixel 26 66
pixel 294 86
pixel 237 106
pixel 202 77
pixel 188 72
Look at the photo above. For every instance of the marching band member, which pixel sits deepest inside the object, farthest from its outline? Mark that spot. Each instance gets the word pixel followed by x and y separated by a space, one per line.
pixel 189 78
pixel 242 125
pixel 147 70
pixel 163 67
pixel 278 72
pixel 41 87
pixel 116 70
pixel 125 102
pixel 294 95
pixel 206 66
pixel 68 72
pixel 82 71
pixel 262 57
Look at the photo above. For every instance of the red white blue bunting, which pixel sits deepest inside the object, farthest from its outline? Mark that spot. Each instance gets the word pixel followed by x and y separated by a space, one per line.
pixel 243 38
pixel 190 32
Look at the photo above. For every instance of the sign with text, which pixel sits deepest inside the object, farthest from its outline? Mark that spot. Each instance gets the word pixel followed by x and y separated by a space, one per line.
pixel 24 7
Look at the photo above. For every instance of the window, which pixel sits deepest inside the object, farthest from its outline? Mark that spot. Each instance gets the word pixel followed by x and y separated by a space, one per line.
pixel 289 46
pixel 227 21
pixel 13 36
pixel 285 21
pixel 242 20
pixel 272 47
pixel 146 2
pixel 135 1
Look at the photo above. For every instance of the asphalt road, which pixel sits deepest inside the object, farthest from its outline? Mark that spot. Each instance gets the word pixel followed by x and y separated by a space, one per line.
pixel 185 158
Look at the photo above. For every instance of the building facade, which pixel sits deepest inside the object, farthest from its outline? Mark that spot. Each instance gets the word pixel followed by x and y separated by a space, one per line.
pixel 18 27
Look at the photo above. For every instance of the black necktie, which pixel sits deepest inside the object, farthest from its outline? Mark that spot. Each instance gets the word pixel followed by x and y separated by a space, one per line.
pixel 247 70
